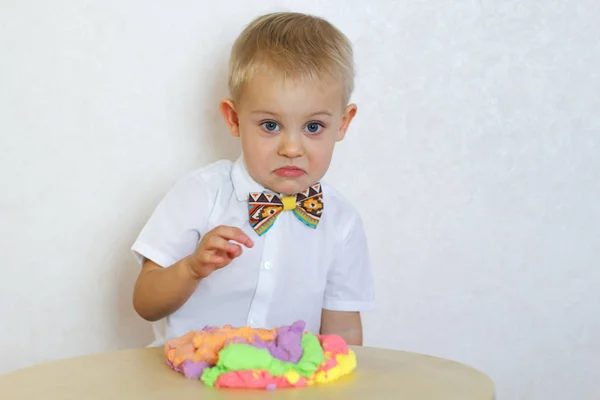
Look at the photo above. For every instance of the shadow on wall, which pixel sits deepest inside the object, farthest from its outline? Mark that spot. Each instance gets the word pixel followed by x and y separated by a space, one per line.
pixel 215 142
pixel 210 141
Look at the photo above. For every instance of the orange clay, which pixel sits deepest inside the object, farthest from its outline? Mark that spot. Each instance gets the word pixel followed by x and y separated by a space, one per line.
pixel 204 345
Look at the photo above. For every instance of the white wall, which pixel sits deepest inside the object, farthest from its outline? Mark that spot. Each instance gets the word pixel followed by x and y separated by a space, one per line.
pixel 487 114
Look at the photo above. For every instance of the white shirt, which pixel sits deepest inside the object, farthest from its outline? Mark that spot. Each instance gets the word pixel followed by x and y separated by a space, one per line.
pixel 291 273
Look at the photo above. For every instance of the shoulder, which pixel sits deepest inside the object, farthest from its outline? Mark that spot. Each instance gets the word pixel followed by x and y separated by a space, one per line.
pixel 202 185
pixel 181 217
pixel 340 211
pixel 214 172
pixel 212 177
pixel 336 201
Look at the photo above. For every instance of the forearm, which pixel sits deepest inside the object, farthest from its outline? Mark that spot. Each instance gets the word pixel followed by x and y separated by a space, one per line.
pixel 348 325
pixel 352 336
pixel 160 292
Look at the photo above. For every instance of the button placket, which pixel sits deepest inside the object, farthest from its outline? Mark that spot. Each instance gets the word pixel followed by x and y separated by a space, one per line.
pixel 259 307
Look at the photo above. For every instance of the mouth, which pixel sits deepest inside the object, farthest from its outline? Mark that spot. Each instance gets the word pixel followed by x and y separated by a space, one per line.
pixel 289 172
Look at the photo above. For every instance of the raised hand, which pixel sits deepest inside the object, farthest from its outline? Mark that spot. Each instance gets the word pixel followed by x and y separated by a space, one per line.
pixel 216 250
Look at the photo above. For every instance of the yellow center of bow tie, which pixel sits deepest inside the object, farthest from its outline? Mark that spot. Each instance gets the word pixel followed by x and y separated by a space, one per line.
pixel 289 202
pixel 264 207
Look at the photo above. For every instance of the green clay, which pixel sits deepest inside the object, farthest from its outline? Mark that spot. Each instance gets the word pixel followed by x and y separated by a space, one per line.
pixel 244 357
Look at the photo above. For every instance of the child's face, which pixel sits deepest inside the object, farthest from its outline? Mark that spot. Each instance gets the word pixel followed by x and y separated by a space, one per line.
pixel 288 130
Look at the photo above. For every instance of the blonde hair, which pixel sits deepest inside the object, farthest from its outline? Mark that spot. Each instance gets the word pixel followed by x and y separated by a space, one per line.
pixel 295 46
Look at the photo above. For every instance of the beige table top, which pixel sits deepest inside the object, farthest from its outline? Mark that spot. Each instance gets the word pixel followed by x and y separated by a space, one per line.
pixel 143 374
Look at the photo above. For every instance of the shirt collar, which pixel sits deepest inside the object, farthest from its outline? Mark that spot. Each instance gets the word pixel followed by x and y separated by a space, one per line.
pixel 243 183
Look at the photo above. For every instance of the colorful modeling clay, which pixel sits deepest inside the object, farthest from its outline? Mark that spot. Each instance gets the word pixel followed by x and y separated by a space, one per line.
pixel 258 358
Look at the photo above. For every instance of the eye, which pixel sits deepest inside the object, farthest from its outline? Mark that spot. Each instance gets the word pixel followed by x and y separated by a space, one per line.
pixel 314 127
pixel 270 126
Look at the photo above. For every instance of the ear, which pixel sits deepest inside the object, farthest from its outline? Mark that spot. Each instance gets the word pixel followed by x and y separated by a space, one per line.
pixel 349 114
pixel 230 116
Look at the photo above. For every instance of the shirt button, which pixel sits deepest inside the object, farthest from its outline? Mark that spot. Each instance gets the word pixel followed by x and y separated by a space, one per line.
pixel 251 323
pixel 267 266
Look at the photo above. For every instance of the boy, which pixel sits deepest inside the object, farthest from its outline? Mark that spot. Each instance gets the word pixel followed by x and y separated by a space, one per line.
pixel 262 241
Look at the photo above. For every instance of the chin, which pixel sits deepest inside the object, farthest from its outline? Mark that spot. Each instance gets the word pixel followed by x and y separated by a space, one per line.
pixel 289 188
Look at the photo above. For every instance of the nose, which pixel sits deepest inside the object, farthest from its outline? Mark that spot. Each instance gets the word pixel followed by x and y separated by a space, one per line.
pixel 290 145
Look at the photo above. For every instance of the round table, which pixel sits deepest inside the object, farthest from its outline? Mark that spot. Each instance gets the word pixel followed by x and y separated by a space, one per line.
pixel 143 374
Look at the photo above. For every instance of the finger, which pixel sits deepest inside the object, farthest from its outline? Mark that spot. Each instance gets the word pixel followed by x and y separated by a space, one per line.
pixel 235 250
pixel 212 259
pixel 225 257
pixel 233 233
pixel 216 243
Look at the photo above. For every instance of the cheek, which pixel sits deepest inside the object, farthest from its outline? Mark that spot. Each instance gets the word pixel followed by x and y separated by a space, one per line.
pixel 257 151
pixel 252 149
pixel 320 155
pixel 250 136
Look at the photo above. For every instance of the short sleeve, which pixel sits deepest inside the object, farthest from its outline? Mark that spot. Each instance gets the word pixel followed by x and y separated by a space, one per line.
pixel 350 284
pixel 174 228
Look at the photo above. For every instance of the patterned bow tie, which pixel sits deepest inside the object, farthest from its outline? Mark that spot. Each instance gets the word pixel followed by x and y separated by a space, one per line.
pixel 264 208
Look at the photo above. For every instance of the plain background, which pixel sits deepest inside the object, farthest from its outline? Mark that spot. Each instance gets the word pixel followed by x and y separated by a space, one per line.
pixel 474 160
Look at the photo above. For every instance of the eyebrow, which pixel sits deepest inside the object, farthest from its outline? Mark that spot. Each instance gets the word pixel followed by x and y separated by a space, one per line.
pixel 322 112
